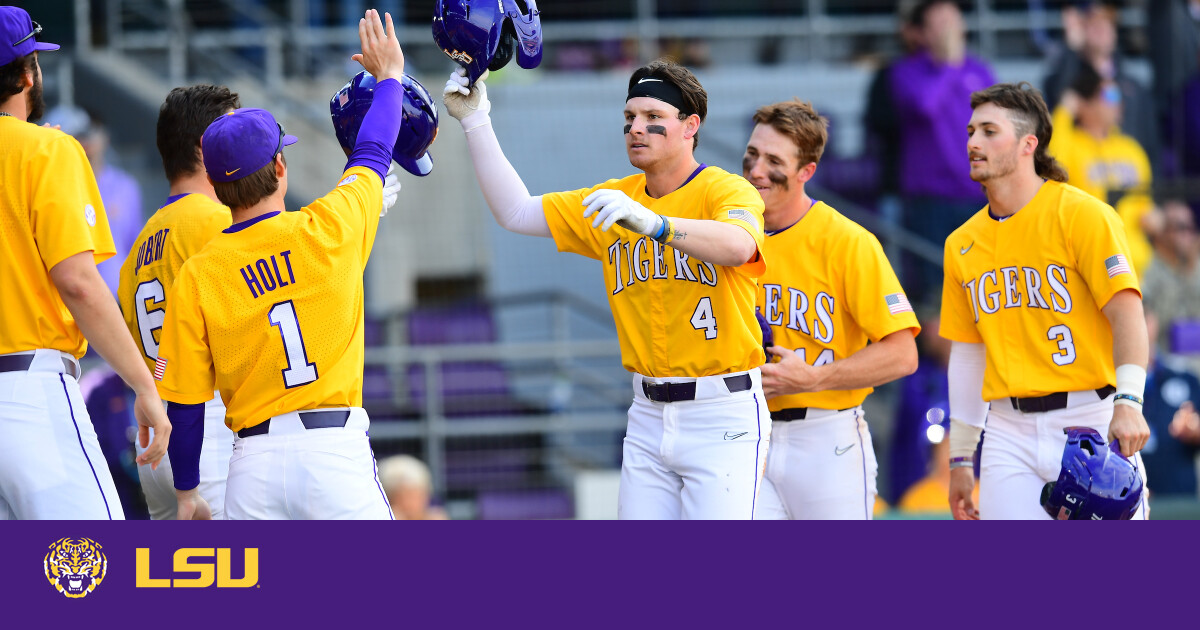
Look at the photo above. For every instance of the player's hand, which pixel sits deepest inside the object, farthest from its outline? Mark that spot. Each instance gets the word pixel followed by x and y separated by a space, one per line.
pixel 1129 428
pixel 391 189
pixel 463 100
pixel 790 375
pixel 192 506
pixel 1185 425
pixel 962 486
pixel 381 54
pixel 613 206
pixel 150 414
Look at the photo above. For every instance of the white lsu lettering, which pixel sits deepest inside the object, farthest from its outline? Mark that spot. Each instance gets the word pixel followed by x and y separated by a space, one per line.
pixel 797 310
pixel 632 263
pixel 1002 288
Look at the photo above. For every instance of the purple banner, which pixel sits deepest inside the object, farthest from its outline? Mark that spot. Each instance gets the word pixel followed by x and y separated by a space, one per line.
pixel 590 574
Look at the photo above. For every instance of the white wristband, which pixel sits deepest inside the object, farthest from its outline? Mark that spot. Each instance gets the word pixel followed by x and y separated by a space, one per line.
pixel 1131 379
pixel 964 438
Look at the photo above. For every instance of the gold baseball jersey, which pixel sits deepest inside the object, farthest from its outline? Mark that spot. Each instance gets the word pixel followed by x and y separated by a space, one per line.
pixel 1114 170
pixel 1031 289
pixel 50 210
pixel 828 291
pixel 675 316
pixel 270 312
pixel 175 233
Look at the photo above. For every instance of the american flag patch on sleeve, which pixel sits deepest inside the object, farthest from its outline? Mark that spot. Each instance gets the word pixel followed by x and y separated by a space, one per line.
pixel 1116 265
pixel 897 303
pixel 160 366
pixel 742 215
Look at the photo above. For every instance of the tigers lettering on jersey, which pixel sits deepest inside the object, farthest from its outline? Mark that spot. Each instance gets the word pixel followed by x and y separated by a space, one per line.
pixel 270 313
pixel 637 264
pixel 1032 288
pixel 828 292
pixel 675 315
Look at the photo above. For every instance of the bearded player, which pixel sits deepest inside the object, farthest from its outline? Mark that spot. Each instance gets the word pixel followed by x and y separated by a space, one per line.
pixel 841 321
pixel 679 243
pixel 1044 313
pixel 53 232
pixel 270 313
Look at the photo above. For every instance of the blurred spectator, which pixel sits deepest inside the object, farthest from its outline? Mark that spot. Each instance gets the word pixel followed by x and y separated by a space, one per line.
pixel 407 483
pixel 110 404
pixel 924 402
pixel 883 125
pixel 1174 28
pixel 1172 397
pixel 1103 161
pixel 1090 31
pixel 1171 285
pixel 119 190
pixel 931 90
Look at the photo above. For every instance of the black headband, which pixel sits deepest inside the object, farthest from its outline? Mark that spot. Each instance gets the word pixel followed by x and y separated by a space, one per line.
pixel 661 90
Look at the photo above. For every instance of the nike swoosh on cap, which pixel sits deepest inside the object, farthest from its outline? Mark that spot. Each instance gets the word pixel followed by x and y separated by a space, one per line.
pixel 228 173
pixel 645 79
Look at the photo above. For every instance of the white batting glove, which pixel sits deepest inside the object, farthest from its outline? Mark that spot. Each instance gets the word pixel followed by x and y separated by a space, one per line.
pixel 613 206
pixel 467 103
pixel 391 189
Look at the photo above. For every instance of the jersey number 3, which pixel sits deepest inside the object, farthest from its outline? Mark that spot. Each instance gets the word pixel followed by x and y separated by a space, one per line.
pixel 1066 344
pixel 299 370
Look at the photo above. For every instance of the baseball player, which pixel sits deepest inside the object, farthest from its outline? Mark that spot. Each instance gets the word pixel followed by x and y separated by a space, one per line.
pixel 1044 313
pixel 270 314
pixel 190 217
pixel 680 247
pixel 53 231
pixel 828 292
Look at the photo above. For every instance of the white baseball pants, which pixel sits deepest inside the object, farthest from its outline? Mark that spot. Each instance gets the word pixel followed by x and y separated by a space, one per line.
pixel 695 459
pixel 51 466
pixel 1022 452
pixel 306 474
pixel 820 468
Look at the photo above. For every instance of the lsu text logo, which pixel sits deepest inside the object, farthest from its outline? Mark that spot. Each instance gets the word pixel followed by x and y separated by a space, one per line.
pixel 75 566
pixel 199 561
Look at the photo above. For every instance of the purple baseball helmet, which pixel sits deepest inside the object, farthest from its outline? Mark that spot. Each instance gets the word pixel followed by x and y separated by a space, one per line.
pixel 484 35
pixel 349 106
pixel 1097 483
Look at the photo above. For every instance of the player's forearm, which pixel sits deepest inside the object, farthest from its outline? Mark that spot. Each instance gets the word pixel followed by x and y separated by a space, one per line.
pixel 187 438
pixel 505 193
pixel 1131 345
pixel 96 313
pixel 892 357
pixel 714 242
pixel 965 374
pixel 381 124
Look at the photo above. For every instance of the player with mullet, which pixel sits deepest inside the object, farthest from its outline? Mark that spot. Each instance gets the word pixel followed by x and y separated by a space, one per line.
pixel 53 232
pixel 828 292
pixel 189 218
pixel 1044 313
pixel 679 243
pixel 270 314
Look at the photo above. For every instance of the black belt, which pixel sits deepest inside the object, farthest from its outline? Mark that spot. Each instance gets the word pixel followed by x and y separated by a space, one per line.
pixel 675 392
pixel 1052 402
pixel 21 363
pixel 794 413
pixel 316 419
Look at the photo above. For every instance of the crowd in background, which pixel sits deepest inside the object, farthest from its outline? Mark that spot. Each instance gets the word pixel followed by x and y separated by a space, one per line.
pixel 1135 146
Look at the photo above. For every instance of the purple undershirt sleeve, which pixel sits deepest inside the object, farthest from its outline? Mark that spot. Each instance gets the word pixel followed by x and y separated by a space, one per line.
pixel 187 436
pixel 380 127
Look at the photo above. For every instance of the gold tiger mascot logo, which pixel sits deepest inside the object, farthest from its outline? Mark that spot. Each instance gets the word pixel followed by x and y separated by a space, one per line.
pixel 75 566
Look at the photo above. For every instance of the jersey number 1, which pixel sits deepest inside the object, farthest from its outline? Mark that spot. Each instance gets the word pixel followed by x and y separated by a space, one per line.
pixel 299 371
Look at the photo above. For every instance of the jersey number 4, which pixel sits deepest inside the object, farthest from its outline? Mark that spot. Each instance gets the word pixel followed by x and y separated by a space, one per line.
pixel 703 319
pixel 299 370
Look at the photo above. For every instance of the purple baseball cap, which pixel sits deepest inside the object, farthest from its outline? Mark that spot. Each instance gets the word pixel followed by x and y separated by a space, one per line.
pixel 18 35
pixel 241 142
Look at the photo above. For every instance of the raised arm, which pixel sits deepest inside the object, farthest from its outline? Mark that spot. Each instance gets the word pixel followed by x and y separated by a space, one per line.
pixel 507 196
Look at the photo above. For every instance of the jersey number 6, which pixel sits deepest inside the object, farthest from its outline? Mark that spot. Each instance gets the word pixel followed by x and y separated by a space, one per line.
pixel 299 370
pixel 148 320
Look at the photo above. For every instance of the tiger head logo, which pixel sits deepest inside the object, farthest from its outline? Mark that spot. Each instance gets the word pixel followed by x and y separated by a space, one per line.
pixel 75 566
